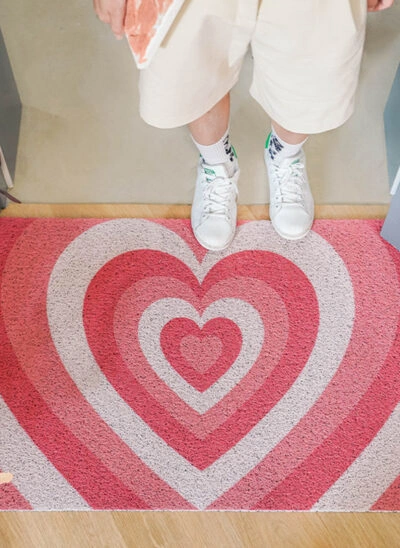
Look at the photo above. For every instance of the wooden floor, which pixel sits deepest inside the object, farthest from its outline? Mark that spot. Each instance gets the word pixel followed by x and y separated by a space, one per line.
pixel 194 529
pixel 178 211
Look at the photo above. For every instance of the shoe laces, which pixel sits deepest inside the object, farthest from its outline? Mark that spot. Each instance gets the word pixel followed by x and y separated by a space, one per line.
pixel 290 180
pixel 217 194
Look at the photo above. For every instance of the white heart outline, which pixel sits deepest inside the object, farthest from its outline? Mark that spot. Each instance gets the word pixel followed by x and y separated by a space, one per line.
pixel 160 312
pixel 101 243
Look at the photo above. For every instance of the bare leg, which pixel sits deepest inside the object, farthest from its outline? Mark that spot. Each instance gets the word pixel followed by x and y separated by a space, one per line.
pixel 288 136
pixel 209 129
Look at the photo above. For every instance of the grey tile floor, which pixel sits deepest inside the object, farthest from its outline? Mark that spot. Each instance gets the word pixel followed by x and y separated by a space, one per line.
pixel 82 139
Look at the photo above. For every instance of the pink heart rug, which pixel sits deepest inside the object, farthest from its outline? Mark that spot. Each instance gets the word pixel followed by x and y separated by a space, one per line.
pixel 139 371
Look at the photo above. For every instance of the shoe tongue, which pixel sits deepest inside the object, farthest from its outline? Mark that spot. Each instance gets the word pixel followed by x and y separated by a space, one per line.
pixel 209 171
pixel 289 161
pixel 215 171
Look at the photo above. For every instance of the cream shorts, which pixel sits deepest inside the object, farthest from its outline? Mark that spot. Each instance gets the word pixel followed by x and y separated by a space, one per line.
pixel 306 61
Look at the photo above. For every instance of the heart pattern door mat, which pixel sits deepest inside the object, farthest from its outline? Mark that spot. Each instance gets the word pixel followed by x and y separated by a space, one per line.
pixel 139 371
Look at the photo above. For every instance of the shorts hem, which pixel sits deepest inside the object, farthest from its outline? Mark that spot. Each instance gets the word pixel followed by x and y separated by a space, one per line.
pixel 307 128
pixel 183 120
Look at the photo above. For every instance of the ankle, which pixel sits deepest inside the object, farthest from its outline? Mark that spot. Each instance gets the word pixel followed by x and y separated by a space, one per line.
pixel 278 149
pixel 221 152
pixel 289 137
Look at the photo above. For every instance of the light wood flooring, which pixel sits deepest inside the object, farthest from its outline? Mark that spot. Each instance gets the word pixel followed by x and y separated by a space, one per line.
pixel 194 529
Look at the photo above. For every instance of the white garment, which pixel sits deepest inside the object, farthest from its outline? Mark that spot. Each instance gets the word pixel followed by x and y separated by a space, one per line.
pixel 306 54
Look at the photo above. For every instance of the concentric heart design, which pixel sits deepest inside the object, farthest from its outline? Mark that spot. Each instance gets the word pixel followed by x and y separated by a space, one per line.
pixel 201 355
pixel 149 407
pixel 135 314
pixel 130 418
pixel 235 311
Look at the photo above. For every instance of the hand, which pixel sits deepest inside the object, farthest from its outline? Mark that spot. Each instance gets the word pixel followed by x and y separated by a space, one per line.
pixel 113 13
pixel 379 5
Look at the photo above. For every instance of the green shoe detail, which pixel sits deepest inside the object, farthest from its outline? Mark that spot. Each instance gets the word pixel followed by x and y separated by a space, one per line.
pixel 209 171
pixel 234 151
pixel 268 140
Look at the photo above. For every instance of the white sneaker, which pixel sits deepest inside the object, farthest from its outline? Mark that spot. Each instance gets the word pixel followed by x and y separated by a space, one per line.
pixel 291 207
pixel 214 208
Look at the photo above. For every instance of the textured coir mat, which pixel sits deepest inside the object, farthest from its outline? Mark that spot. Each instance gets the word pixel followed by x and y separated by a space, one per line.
pixel 139 371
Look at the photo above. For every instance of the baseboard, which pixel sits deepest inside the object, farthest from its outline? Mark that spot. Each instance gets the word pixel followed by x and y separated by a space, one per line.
pixel 175 211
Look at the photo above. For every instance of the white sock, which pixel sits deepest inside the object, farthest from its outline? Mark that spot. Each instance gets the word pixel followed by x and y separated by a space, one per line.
pixel 278 149
pixel 221 152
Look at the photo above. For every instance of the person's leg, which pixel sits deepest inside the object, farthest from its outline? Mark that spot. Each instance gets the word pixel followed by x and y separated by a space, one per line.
pixel 291 206
pixel 308 85
pixel 283 143
pixel 193 91
pixel 214 208
pixel 210 134
pixel 291 202
pixel 209 128
pixel 288 136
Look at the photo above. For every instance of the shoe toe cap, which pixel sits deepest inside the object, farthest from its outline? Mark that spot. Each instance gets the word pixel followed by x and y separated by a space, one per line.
pixel 214 234
pixel 293 223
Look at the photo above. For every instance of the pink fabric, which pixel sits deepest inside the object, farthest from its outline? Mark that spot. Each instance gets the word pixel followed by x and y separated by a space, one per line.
pixel 140 20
